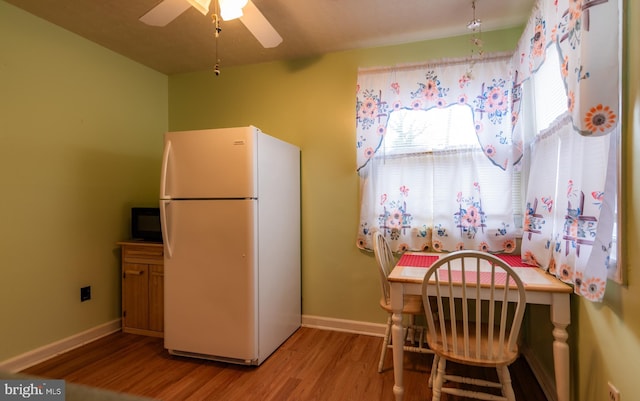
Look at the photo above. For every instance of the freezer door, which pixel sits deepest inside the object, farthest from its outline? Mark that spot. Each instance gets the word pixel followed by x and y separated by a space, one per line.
pixel 210 278
pixel 208 164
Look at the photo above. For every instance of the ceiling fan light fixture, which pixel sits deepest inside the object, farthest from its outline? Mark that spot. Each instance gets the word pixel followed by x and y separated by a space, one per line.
pixel 228 14
pixel 231 9
pixel 238 3
pixel 201 5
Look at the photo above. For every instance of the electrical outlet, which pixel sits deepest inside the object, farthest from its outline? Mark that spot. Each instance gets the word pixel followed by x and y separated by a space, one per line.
pixel 614 394
pixel 85 293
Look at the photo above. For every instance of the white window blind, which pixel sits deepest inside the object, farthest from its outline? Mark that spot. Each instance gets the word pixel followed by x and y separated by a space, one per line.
pixel 415 131
pixel 550 98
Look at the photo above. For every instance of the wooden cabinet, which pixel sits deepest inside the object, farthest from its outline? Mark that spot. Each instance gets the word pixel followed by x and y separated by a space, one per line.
pixel 142 288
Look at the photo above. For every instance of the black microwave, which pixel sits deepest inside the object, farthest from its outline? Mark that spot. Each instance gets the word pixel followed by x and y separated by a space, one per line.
pixel 145 224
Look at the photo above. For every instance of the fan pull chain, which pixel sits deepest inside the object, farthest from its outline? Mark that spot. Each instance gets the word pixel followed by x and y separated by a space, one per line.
pixel 217 30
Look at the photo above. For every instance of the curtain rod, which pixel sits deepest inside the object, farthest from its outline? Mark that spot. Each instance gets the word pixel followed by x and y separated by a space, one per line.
pixel 437 63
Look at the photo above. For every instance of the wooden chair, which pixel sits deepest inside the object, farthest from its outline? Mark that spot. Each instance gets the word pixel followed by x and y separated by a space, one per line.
pixel 474 333
pixel 414 335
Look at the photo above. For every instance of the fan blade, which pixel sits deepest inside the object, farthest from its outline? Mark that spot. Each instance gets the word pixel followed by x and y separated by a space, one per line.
pixel 165 12
pixel 258 25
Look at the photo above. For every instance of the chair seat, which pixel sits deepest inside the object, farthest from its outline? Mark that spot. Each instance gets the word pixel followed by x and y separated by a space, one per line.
pixel 505 357
pixel 412 305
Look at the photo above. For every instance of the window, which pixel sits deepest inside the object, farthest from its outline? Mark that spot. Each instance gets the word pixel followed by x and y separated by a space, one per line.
pixel 431 186
pixel 414 131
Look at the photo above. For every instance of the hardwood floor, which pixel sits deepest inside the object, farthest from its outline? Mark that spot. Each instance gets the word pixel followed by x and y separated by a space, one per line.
pixel 312 365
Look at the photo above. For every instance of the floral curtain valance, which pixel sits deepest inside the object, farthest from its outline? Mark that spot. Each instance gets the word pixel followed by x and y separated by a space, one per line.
pixel 586 34
pixel 485 88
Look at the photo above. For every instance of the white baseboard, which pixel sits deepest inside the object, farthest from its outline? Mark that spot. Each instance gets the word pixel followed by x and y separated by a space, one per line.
pixel 349 326
pixel 33 357
pixel 547 383
pixel 48 351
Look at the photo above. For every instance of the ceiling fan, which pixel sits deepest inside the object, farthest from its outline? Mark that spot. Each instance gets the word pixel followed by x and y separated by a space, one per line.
pixel 167 10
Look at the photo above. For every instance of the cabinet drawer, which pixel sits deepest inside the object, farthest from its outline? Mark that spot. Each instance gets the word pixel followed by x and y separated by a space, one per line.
pixel 143 253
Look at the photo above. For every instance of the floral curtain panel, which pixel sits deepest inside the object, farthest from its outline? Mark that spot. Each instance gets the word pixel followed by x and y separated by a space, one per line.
pixel 571 193
pixel 467 187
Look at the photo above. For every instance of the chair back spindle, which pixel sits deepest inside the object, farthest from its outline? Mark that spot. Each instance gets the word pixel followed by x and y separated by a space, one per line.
pixel 465 325
pixel 385 260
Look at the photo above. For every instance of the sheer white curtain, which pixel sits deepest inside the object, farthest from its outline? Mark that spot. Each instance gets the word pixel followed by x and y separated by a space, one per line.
pixel 565 225
pixel 540 199
pixel 442 201
pixel 396 198
pixel 474 204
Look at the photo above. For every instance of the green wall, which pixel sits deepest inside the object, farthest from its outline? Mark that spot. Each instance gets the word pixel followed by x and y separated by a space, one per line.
pixel 82 130
pixel 81 137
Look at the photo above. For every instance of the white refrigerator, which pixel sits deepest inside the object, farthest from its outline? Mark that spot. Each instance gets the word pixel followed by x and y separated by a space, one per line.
pixel 230 214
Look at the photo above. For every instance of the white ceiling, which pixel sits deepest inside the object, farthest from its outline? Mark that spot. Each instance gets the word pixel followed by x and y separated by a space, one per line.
pixel 308 27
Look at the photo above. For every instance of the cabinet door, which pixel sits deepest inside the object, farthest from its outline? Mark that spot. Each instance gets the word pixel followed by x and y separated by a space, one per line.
pixel 156 298
pixel 135 296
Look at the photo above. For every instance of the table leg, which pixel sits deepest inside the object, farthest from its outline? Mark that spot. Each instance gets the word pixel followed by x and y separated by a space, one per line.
pixel 561 318
pixel 397 300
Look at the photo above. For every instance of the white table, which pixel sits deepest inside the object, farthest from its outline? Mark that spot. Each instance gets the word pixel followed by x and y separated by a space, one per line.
pixel 541 288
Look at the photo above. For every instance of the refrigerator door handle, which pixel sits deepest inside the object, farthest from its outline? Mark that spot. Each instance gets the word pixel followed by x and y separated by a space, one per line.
pixel 164 226
pixel 163 174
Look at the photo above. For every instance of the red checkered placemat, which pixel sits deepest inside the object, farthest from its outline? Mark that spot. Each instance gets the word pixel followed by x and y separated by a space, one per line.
pixel 412 260
pixel 415 260
pixel 513 260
